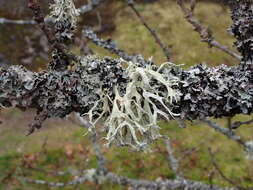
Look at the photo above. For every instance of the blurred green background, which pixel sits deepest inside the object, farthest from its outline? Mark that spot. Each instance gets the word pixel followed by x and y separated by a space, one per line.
pixel 61 145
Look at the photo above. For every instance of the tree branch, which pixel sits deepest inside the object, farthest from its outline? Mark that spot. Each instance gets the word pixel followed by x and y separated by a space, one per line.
pixel 89 175
pixel 107 44
pixel 163 46
pixel 221 173
pixel 171 158
pixel 111 46
pixel 219 91
pixel 204 32
pixel 231 135
pixel 237 124
pixel 21 22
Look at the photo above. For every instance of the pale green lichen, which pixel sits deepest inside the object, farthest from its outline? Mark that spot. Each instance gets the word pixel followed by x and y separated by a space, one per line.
pixel 133 118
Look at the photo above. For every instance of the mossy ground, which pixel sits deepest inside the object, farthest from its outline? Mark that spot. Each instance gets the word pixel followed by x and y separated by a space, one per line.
pixel 61 145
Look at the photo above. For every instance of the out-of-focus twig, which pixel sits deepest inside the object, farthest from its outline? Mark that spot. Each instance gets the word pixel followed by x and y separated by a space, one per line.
pixel 112 47
pixel 93 138
pixel 229 122
pixel 173 162
pixel 163 46
pixel 89 175
pixel 215 164
pixel 21 22
pixel 204 31
pixel 229 134
pixel 109 44
pixel 237 124
pixel 90 6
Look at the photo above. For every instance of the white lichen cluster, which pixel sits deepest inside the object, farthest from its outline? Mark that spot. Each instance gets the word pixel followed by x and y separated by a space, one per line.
pixel 63 10
pixel 132 121
pixel 65 16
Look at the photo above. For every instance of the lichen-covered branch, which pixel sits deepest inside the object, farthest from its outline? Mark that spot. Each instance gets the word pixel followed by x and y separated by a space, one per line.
pixel 90 175
pixel 81 10
pixel 129 95
pixel 109 45
pixel 101 87
pixel 60 36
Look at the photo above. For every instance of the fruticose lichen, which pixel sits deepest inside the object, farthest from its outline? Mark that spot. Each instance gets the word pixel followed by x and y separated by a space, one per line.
pixel 131 117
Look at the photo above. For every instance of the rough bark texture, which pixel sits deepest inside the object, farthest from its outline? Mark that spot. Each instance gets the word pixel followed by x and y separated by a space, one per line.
pixel 219 91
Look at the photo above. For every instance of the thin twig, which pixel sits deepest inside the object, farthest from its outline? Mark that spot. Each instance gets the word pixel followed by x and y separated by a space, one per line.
pixel 93 138
pixel 112 47
pixel 204 31
pixel 215 164
pixel 186 153
pixel 225 131
pixel 90 175
pixel 90 6
pixel 109 44
pixel 229 134
pixel 99 25
pixel 173 162
pixel 21 22
pixel 164 47
pixel 237 124
pixel 210 177
pixel 55 173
